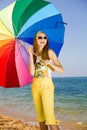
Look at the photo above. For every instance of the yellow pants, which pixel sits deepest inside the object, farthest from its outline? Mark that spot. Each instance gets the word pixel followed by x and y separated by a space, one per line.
pixel 43 96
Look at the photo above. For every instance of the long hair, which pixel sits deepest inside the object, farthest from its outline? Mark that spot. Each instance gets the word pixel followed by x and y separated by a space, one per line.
pixel 44 53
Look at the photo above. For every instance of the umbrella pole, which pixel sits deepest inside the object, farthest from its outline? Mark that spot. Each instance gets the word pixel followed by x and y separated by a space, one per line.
pixel 34 54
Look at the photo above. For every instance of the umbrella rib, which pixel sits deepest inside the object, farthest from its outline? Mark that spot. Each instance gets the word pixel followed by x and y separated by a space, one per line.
pixel 21 56
pixel 8 57
pixel 15 29
pixel 6 27
pixel 7 48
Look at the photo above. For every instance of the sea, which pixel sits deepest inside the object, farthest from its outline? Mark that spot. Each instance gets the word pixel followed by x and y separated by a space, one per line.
pixel 70 98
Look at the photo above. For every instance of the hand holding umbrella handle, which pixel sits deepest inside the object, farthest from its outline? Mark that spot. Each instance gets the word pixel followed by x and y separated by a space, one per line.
pixel 51 66
pixel 29 50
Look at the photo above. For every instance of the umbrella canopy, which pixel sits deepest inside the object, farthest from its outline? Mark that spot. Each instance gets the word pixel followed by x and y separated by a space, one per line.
pixel 19 22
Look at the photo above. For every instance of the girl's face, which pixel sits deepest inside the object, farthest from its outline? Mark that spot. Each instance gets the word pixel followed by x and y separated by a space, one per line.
pixel 41 40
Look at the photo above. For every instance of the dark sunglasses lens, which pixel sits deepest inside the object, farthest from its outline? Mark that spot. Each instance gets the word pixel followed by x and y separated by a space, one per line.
pixel 39 37
pixel 42 37
pixel 45 37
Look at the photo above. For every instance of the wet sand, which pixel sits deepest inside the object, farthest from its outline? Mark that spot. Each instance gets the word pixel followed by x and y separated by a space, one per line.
pixel 11 123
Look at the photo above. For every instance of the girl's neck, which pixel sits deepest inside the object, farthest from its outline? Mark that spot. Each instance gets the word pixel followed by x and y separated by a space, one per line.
pixel 40 50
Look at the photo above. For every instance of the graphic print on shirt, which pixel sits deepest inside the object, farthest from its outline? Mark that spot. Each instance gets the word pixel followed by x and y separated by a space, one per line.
pixel 41 70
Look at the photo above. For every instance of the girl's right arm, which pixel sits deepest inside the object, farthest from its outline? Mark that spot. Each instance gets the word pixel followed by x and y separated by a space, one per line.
pixel 57 65
pixel 31 62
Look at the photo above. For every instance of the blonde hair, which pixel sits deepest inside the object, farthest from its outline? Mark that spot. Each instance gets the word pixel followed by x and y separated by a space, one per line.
pixel 44 53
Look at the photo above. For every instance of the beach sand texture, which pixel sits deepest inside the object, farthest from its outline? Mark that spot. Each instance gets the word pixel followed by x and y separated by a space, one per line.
pixel 10 123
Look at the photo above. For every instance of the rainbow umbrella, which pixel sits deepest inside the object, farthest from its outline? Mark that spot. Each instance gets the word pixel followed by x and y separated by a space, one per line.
pixel 19 23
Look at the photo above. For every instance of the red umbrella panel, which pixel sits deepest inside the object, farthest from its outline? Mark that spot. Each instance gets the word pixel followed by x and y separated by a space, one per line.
pixel 14 62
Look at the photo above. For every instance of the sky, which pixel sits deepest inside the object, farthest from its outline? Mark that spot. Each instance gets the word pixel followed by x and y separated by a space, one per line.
pixel 74 51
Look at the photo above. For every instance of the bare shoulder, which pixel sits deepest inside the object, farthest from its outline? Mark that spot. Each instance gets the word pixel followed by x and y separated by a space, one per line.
pixel 51 53
pixel 53 56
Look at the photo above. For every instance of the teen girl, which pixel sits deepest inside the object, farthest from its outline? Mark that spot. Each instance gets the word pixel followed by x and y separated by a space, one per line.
pixel 42 60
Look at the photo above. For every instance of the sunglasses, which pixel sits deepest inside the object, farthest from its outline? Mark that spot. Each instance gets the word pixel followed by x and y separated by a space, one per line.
pixel 40 37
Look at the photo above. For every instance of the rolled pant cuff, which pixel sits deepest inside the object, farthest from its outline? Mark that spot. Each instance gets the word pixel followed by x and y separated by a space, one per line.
pixel 52 122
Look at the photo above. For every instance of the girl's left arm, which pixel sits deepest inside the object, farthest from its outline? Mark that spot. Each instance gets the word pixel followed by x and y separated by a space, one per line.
pixel 57 65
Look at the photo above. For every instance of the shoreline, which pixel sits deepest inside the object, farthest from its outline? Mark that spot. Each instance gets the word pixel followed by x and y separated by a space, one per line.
pixel 9 122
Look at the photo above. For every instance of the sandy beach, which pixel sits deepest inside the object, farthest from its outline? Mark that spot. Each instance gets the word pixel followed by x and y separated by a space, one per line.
pixel 11 123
